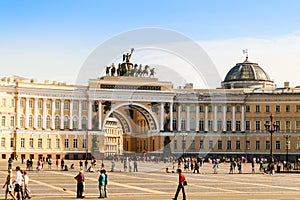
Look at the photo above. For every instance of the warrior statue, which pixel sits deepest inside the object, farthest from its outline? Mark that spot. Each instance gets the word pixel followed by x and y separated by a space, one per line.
pixel 113 69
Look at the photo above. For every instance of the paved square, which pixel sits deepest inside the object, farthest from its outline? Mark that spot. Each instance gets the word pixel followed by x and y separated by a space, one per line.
pixel 151 182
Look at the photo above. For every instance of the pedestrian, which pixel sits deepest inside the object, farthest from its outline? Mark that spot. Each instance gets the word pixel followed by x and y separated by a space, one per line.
pixel 28 164
pixel 130 165
pixel 18 183
pixel 9 185
pixel 231 167
pixel 253 166
pixel 181 184
pixel 196 167
pixel 81 164
pixel 56 163
pixel 10 161
pixel 39 165
pixel 239 166
pixel 49 163
pixel 135 167
pixel 112 165
pixel 101 181
pixel 216 167
pixel 62 164
pixel 105 184
pixel 80 184
pixel 26 185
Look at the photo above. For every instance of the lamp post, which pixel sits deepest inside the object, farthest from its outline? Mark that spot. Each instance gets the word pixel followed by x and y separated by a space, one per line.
pixel 287 146
pixel 271 127
pixel 183 142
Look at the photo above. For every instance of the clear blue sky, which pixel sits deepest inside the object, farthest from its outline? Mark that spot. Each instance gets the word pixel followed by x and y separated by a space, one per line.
pixel 53 26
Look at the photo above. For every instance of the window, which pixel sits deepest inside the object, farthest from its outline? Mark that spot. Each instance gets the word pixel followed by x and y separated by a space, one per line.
pixel 267 108
pixel 257 108
pixel 22 120
pixel 48 105
pixel 193 146
pixel 210 122
pixel 83 143
pixel 278 123
pixel 228 125
pixel 67 143
pixel 84 105
pixel 201 108
pixel 238 145
pixel 75 143
pixel 39 121
pixel 257 125
pixel 75 123
pixel 238 109
pixel 288 125
pixel 183 108
pixel 40 104
pixel 3 121
pixel 12 120
pixel 219 125
pixel 247 144
pixel 297 125
pixel 228 108
pixel 183 144
pixel 257 145
pixel 219 108
pixel 247 108
pixel 247 125
pixel 48 122
pixel 175 144
pixel 220 144
pixel 66 122
pixel 40 143
pixel 66 105
pixel 3 102
pixel 287 108
pixel 31 142
pixel 22 103
pixel 57 143
pixel 12 103
pixel 210 144
pixel 277 145
pixel 209 108
pixel 57 122
pixel 192 108
pixel 30 103
pixel 238 125
pixel 183 124
pixel 268 145
pixel 75 106
pixel 201 125
pixel 174 124
pixel 192 124
pixel 174 108
pixel 201 144
pixel 3 142
pixel 30 121
pixel 48 143
pixel 277 108
pixel 228 144
pixel 22 142
pixel 57 105
pixel 12 142
pixel 297 108
pixel 83 124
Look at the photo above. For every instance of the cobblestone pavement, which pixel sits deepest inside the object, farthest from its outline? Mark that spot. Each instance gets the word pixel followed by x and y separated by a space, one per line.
pixel 151 182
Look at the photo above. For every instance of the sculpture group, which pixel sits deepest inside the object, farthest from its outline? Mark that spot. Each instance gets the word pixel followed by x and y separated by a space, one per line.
pixel 129 69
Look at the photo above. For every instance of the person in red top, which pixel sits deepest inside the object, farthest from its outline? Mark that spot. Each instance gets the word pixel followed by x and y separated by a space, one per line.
pixel 180 185
pixel 80 183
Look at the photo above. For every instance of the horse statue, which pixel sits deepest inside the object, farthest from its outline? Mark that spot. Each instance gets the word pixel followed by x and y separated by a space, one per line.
pixel 139 71
pixel 145 71
pixel 152 72
pixel 107 70
pixel 112 70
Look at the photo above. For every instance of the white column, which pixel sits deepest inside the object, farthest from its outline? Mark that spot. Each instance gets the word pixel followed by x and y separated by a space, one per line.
pixel 215 119
pixel 233 118
pixel 90 111
pixel 100 115
pixel 71 115
pixel 171 116
pixel 35 113
pixel 18 112
pixel 224 118
pixel 79 114
pixel 179 118
pixel 197 117
pixel 162 116
pixel 53 114
pixel 44 112
pixel 188 128
pixel 27 113
pixel 243 118
pixel 62 105
pixel 206 118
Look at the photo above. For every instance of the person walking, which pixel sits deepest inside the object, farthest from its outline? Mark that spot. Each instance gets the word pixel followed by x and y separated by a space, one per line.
pixel 80 184
pixel 56 163
pixel 101 181
pixel 26 185
pixel 18 183
pixel 105 184
pixel 181 185
pixel 9 185
pixel 135 166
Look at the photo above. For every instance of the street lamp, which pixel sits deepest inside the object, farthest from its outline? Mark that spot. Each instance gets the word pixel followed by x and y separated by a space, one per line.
pixel 271 127
pixel 287 146
pixel 183 142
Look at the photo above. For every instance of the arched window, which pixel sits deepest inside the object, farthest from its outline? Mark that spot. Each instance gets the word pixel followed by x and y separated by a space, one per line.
pixel 30 121
pixel 39 121
pixel 48 122
pixel 66 122
pixel 22 120
pixel 57 122
pixel 75 123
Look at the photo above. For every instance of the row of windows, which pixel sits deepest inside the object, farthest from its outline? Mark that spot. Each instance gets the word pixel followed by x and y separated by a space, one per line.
pixel 229 145
pixel 48 104
pixel 48 143
pixel 277 108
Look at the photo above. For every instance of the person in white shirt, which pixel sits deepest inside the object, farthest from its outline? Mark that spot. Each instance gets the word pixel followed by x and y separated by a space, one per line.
pixel 26 188
pixel 18 183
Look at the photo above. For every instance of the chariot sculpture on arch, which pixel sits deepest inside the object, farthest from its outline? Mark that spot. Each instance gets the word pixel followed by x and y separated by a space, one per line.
pixel 126 68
